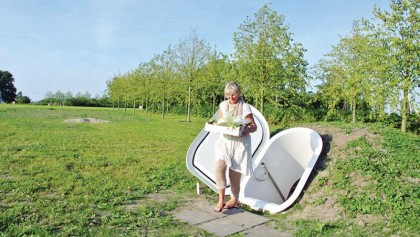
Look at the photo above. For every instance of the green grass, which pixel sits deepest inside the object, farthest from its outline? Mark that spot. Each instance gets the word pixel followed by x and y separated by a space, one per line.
pixel 392 180
pixel 67 179
pixel 377 178
pixel 62 179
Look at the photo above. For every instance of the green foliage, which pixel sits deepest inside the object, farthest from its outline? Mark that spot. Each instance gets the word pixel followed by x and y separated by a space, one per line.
pixel 68 99
pixel 21 99
pixel 386 174
pixel 192 75
pixel 284 116
pixel 203 110
pixel 361 76
pixel 269 63
pixel 374 67
pixel 78 179
pixel 377 178
pixel 413 123
pixel 369 70
pixel 60 178
pixel 400 29
pixel 7 88
pixel 317 228
pixel 393 120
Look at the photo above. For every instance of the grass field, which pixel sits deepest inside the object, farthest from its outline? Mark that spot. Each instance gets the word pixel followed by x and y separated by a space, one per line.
pixel 78 179
pixel 58 178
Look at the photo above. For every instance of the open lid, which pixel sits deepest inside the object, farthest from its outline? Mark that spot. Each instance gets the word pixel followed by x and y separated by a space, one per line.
pixel 281 170
pixel 201 153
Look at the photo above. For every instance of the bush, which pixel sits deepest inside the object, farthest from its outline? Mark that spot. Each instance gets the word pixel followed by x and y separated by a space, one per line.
pixel 413 123
pixel 393 120
pixel 285 115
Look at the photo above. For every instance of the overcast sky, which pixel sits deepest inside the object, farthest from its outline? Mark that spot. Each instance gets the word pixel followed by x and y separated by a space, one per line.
pixel 77 45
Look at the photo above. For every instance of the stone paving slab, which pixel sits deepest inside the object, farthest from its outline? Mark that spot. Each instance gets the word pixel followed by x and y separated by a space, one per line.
pixel 194 216
pixel 247 219
pixel 229 212
pixel 265 231
pixel 221 227
pixel 226 222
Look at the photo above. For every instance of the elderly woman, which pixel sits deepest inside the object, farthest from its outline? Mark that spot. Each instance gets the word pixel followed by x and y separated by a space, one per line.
pixel 231 151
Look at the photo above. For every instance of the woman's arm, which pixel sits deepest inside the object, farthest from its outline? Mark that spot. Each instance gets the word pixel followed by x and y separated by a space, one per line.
pixel 251 127
pixel 219 117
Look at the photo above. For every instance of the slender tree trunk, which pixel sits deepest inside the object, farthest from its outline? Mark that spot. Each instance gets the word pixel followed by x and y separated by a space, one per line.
pixel 262 101
pixel 185 106
pixel 163 106
pixel 353 110
pixel 134 106
pixel 404 111
pixel 262 104
pixel 214 103
pixel 147 106
pixel 189 104
pixel 125 103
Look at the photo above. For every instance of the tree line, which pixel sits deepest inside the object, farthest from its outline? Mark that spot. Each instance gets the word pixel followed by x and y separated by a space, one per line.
pixel 371 75
pixel 372 72
pixel 79 99
pixel 377 65
pixel 190 76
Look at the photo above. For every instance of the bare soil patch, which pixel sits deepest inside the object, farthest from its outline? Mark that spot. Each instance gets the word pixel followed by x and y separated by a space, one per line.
pixel 86 120
pixel 319 202
pixel 162 197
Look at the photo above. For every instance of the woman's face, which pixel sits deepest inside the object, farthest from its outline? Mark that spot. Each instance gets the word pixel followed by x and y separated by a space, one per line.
pixel 233 98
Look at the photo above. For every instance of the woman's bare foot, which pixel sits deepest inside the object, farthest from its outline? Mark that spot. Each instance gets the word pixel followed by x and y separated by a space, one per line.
pixel 219 207
pixel 233 202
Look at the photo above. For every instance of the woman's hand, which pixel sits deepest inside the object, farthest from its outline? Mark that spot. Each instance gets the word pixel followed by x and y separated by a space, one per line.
pixel 246 130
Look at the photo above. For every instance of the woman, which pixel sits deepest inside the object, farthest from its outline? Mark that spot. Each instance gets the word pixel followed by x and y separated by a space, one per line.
pixel 231 151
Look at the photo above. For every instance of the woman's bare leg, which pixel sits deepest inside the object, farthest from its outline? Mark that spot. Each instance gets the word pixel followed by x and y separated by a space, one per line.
pixel 235 182
pixel 220 184
pixel 221 203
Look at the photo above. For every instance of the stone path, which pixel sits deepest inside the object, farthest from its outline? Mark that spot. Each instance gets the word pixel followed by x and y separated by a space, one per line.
pixel 227 222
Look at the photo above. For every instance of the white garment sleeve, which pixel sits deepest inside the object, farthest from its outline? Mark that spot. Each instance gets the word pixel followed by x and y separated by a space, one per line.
pixel 222 107
pixel 246 109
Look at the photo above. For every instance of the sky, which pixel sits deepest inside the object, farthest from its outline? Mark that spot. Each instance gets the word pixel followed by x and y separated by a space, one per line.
pixel 77 45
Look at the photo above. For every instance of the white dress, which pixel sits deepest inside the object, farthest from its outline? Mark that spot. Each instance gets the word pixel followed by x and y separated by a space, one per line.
pixel 235 151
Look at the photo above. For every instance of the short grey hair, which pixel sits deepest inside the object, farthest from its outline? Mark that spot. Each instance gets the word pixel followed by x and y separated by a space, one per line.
pixel 232 88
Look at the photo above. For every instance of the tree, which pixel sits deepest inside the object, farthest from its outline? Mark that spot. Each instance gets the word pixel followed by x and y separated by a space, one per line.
pixel 112 88
pixel 271 65
pixel 133 88
pixel 331 74
pixel 402 29
pixel 190 55
pixel 143 78
pixel 60 97
pixel 68 96
pixel 21 99
pixel 347 70
pixel 7 88
pixel 214 77
pixel 117 89
pixel 163 75
pixel 49 95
